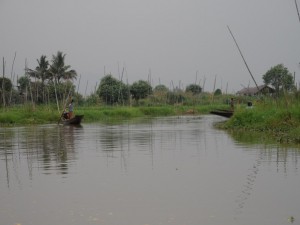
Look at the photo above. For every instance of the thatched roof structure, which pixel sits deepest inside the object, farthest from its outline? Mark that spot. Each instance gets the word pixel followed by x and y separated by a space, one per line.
pixel 262 89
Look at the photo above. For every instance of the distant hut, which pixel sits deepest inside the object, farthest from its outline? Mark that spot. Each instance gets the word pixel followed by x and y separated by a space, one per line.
pixel 252 91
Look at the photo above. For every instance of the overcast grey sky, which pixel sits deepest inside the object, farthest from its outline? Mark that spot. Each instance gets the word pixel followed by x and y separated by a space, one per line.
pixel 171 38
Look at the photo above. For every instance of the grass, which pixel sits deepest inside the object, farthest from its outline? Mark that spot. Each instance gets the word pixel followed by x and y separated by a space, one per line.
pixel 28 114
pixel 279 119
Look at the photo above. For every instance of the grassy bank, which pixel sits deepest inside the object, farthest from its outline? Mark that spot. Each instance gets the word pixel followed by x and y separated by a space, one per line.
pixel 280 119
pixel 23 115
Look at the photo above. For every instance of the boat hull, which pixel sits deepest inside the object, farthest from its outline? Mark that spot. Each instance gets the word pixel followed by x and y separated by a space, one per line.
pixel 76 120
pixel 222 112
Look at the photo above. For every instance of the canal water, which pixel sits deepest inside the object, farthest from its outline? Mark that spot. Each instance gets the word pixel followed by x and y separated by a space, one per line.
pixel 171 170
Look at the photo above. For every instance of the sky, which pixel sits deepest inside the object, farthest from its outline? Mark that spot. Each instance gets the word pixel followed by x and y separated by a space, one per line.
pixel 170 42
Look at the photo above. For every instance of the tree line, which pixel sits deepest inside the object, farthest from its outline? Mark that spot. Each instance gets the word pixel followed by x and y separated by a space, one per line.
pixel 53 81
pixel 48 82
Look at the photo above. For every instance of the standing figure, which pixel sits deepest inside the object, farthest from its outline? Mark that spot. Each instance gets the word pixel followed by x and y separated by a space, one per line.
pixel 231 104
pixel 71 109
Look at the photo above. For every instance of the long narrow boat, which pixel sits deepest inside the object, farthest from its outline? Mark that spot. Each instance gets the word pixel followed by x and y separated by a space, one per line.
pixel 222 112
pixel 76 120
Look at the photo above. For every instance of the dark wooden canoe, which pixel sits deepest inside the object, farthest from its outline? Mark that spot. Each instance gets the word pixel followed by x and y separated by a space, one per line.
pixel 74 121
pixel 222 112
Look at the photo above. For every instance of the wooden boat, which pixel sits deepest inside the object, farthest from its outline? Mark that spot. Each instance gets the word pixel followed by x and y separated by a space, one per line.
pixel 76 120
pixel 222 112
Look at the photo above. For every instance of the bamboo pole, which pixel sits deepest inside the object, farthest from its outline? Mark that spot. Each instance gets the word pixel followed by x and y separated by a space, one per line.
pixel 95 89
pixel 36 88
pixel 213 95
pixel 65 105
pixel 242 57
pixel 86 87
pixel 226 88
pixel 11 77
pixel 3 94
pixel 195 96
pixel 297 10
pixel 54 81
pixel 30 89
pixel 78 84
pixel 204 80
pixel 120 91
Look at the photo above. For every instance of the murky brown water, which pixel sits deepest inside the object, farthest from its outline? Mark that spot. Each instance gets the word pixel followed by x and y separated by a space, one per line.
pixel 174 170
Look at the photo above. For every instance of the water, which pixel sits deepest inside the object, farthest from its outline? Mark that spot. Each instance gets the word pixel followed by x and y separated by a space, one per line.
pixel 173 170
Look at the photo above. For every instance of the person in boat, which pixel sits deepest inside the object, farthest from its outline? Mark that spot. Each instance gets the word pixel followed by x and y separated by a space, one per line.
pixel 70 109
pixel 231 104
pixel 69 114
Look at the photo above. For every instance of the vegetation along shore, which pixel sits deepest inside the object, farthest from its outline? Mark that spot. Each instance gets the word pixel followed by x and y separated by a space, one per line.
pixel 279 119
pixel 41 95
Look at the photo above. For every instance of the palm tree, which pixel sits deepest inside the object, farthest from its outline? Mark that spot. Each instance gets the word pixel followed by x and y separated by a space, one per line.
pixel 59 70
pixel 41 72
pixel 42 69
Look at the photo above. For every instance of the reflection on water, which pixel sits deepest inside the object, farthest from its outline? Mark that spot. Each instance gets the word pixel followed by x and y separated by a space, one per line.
pixel 174 170
pixel 41 147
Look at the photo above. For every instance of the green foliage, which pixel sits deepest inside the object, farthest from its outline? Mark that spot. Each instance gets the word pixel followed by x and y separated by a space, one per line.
pixel 160 88
pixel 23 83
pixel 193 88
pixel 279 118
pixel 92 100
pixel 63 89
pixel 280 78
pixel 7 84
pixel 6 93
pixel 59 70
pixel 218 92
pixel 28 114
pixel 113 91
pixel 175 97
pixel 41 71
pixel 45 82
pixel 140 90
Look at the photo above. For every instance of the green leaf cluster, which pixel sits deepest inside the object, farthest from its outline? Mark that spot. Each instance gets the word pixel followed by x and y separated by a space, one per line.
pixel 140 89
pixel 280 78
pixel 113 91
pixel 194 88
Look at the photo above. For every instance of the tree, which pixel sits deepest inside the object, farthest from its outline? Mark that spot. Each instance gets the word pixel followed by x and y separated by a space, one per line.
pixel 160 88
pixel 194 88
pixel 7 84
pixel 112 91
pixel 59 70
pixel 42 69
pixel 218 91
pixel 280 78
pixel 140 89
pixel 6 87
pixel 41 72
pixel 23 83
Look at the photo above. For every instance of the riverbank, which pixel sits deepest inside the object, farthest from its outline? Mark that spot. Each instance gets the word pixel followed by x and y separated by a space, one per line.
pixel 277 119
pixel 27 115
